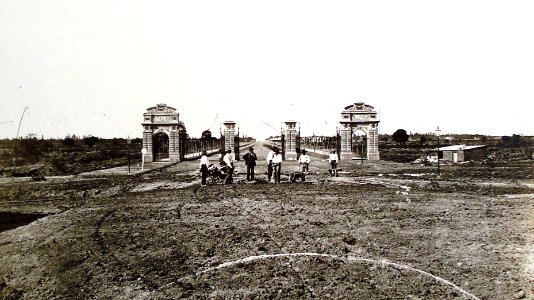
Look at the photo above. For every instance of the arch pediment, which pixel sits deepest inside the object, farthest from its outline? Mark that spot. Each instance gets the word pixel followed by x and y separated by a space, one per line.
pixel 161 108
pixel 360 107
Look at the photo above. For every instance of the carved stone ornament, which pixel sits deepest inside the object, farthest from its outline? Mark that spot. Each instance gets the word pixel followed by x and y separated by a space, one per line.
pixel 360 117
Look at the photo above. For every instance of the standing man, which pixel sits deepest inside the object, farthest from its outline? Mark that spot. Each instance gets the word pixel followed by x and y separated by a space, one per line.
pixel 204 163
pixel 229 165
pixel 332 159
pixel 221 156
pixel 277 165
pixel 250 162
pixel 270 163
pixel 304 161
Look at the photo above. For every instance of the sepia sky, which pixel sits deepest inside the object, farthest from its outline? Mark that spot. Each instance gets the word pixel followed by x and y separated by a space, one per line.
pixel 94 67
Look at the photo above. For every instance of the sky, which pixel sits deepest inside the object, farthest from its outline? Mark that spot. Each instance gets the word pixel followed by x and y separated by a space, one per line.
pixel 94 67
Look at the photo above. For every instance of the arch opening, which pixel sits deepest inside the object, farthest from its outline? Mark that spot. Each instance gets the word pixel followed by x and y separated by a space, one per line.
pixel 160 146
pixel 359 143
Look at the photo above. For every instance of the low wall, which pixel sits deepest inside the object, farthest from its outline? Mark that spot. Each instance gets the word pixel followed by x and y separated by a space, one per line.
pixel 199 154
pixel 196 155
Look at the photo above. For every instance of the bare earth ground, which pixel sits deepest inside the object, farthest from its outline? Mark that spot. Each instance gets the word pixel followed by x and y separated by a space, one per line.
pixel 379 231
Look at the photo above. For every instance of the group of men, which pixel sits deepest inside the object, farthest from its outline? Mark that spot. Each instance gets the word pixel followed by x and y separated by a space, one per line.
pixel 274 164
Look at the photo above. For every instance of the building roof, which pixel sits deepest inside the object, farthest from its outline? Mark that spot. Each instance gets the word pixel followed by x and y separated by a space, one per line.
pixel 460 147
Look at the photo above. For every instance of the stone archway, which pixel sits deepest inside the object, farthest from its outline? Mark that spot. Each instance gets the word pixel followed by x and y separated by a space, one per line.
pixel 359 117
pixel 161 133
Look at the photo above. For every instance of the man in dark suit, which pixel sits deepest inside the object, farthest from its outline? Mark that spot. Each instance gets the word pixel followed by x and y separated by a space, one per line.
pixel 250 162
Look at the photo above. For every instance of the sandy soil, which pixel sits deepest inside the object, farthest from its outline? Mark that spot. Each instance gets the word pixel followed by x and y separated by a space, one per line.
pixel 379 231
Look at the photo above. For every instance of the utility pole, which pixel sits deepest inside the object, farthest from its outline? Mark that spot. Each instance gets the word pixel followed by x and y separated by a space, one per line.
pixel 437 134
pixel 128 141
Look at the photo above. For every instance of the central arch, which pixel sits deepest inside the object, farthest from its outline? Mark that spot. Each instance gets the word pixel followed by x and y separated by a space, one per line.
pixel 359 117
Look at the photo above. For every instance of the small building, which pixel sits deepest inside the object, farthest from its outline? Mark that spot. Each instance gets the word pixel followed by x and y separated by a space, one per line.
pixel 460 153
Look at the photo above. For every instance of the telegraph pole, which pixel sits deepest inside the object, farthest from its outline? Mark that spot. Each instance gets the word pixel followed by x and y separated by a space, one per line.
pixel 437 134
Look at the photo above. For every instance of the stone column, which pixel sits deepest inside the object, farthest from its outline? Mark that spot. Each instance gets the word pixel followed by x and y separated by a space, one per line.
pixel 174 144
pixel 346 138
pixel 290 140
pixel 147 144
pixel 372 143
pixel 229 134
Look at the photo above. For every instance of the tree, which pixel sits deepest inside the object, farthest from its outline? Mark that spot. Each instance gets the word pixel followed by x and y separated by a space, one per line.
pixel 137 141
pixel 513 141
pixel 69 141
pixel 422 140
pixel 183 130
pixel 206 135
pixel 90 141
pixel 32 148
pixel 400 136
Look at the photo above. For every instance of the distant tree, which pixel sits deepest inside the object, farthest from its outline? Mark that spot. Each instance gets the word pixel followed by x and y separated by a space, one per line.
pixel 90 141
pixel 400 136
pixel 183 130
pixel 513 141
pixel 69 141
pixel 384 138
pixel 206 134
pixel 31 148
pixel 516 140
pixel 422 140
pixel 117 141
pixel 137 141
pixel 483 139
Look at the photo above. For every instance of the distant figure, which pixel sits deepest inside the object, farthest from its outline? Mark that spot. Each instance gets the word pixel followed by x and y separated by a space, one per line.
pixel 270 163
pixel 221 156
pixel 204 163
pixel 277 165
pixel 304 161
pixel 229 164
pixel 332 159
pixel 250 161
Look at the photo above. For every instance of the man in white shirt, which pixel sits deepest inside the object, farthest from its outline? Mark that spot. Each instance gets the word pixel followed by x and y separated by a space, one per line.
pixel 270 163
pixel 304 161
pixel 332 159
pixel 229 163
pixel 204 163
pixel 277 165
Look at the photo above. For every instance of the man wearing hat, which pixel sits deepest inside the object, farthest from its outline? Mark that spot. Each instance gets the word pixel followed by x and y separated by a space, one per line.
pixel 204 163
pixel 304 161
pixel 269 159
pixel 277 165
pixel 229 164
pixel 332 159
pixel 250 162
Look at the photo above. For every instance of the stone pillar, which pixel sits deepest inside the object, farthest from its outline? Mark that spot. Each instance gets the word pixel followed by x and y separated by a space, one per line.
pixel 372 143
pixel 147 144
pixel 290 140
pixel 174 144
pixel 346 139
pixel 229 134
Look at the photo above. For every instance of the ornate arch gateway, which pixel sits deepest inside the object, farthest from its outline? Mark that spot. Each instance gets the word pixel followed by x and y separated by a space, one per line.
pixel 161 133
pixel 356 119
